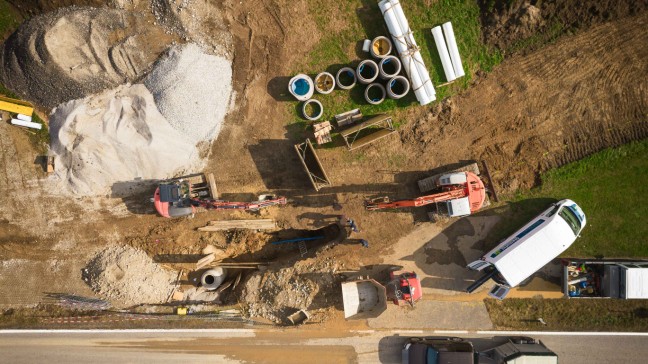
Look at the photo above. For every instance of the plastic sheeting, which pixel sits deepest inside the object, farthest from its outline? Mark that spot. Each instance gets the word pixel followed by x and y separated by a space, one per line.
pixel 408 51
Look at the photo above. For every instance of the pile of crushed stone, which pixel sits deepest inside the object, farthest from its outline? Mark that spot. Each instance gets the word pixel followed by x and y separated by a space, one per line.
pixel 74 52
pixel 128 276
pixel 108 144
pixel 192 90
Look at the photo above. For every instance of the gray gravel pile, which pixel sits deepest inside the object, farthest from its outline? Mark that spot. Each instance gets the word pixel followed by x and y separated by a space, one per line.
pixel 192 90
pixel 74 52
pixel 128 276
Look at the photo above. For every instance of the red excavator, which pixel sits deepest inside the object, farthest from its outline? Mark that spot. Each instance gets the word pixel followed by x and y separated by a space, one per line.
pixel 457 193
pixel 182 196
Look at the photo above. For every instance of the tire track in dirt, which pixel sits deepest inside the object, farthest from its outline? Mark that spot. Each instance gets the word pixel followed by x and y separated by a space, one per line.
pixel 538 111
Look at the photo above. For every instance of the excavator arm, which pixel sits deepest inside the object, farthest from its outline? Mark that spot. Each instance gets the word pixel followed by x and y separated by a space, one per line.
pixel 385 203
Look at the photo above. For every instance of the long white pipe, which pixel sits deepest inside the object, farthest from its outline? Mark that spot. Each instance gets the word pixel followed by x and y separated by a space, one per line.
pixel 443 53
pixel 407 32
pixel 27 124
pixel 408 51
pixel 23 117
pixel 454 51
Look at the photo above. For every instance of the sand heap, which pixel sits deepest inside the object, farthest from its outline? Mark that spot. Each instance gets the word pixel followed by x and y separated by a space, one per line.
pixel 118 135
pixel 192 90
pixel 74 52
pixel 129 276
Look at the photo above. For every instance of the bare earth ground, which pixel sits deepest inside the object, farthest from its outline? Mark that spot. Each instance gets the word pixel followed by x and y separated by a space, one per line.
pixel 533 112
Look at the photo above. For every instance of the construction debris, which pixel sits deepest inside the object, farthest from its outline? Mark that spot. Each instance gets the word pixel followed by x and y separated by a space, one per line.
pixel 128 276
pixel 348 118
pixel 322 132
pixel 258 224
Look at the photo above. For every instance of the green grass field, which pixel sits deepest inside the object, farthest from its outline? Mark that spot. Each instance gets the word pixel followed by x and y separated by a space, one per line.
pixel 9 19
pixel 612 188
pixel 358 20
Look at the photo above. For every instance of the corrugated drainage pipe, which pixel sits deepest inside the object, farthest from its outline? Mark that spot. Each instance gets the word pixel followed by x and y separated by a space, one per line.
pixel 301 86
pixel 375 93
pixel 389 66
pixel 324 83
pixel 213 278
pixel 312 109
pixel 397 87
pixel 380 47
pixel 367 71
pixel 345 78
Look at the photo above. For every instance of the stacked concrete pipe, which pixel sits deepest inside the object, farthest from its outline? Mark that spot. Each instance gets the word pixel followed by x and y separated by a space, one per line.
pixel 372 90
pixel 367 71
pixel 342 74
pixel 397 87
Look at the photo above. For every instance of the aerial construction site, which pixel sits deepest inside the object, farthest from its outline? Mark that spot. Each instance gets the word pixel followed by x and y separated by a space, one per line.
pixel 351 165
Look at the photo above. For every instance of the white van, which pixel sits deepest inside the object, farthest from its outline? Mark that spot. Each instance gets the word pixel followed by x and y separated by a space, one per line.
pixel 531 247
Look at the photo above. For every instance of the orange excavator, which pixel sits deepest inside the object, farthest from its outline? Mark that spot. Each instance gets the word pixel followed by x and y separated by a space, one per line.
pixel 182 196
pixel 458 193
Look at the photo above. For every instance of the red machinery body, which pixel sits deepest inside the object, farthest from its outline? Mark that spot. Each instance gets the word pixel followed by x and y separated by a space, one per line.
pixel 183 195
pixel 473 188
pixel 405 287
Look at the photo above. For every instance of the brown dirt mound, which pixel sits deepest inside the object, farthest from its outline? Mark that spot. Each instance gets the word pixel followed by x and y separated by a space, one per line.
pixel 505 22
pixel 73 52
pixel 546 109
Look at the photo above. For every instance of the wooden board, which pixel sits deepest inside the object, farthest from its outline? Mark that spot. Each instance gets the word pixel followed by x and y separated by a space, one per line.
pixel 258 224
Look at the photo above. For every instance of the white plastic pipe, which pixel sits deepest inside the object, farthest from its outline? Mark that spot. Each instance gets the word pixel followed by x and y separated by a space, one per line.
pixel 407 49
pixel 23 117
pixel 27 124
pixel 454 51
pixel 443 53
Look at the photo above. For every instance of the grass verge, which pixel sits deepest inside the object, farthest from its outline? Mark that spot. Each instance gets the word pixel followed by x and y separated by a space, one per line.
pixel 9 19
pixel 569 315
pixel 356 20
pixel 612 188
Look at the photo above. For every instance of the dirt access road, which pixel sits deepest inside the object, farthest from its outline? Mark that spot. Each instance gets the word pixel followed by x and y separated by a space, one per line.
pixel 533 112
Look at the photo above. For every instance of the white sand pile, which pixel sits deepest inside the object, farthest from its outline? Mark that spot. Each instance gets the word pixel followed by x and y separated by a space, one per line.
pixel 116 136
pixel 74 52
pixel 129 276
pixel 192 90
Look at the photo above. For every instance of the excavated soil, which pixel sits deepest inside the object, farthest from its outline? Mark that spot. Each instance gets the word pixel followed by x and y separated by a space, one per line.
pixel 506 22
pixel 534 111
pixel 545 109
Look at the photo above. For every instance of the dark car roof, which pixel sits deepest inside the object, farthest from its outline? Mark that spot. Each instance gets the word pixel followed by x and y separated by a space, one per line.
pixel 418 354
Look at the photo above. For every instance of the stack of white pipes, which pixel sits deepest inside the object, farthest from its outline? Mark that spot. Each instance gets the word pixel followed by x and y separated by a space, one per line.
pixel 26 121
pixel 448 51
pixel 408 50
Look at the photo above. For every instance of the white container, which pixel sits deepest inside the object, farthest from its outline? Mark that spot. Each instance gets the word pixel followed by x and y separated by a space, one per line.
pixel 23 117
pixel 453 49
pixel 27 124
pixel 301 86
pixel 366 45
pixel 443 53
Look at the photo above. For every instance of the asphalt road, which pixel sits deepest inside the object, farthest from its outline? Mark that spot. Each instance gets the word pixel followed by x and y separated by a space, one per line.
pixel 278 346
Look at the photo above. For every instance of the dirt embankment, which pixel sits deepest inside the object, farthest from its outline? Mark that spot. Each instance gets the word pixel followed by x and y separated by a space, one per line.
pixel 72 53
pixel 505 22
pixel 554 106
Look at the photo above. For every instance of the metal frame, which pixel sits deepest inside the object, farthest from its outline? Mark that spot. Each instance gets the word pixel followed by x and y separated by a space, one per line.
pixel 317 181
pixel 351 134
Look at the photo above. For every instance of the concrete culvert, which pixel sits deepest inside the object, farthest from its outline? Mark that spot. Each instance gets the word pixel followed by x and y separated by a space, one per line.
pixel 346 78
pixel 375 93
pixel 213 278
pixel 381 47
pixel 389 66
pixel 301 86
pixel 324 83
pixel 312 109
pixel 367 71
pixel 397 87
